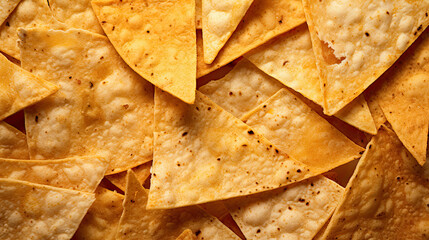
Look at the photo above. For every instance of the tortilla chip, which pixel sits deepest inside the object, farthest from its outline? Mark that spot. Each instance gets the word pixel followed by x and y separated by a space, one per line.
pixel 19 88
pixel 322 231
pixel 371 98
pixel 156 39
pixel 264 20
pixel 120 179
pixel 138 223
pixel 290 59
pixel 13 143
pixel 404 97
pixel 102 218
pixel 6 8
pixel 104 108
pixel 387 197
pixel 356 41
pixel 33 211
pixel 29 13
pixel 220 19
pixel 187 235
pixel 76 14
pixel 295 212
pixel 80 173
pixel 202 154
pixel 198 14
pixel 217 209
pixel 296 129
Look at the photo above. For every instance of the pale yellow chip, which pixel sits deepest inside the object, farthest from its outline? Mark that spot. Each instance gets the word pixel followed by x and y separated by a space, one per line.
pixel 298 211
pixel 198 14
pixel 220 19
pixel 20 89
pixel 290 59
pixel 13 143
pixel 6 8
pixel 297 130
pixel 155 38
pixel 33 211
pixel 76 14
pixel 29 13
pixel 356 41
pixel 104 108
pixel 187 235
pixel 203 153
pixel 404 97
pixel 387 197
pixel 79 173
pixel 138 223
pixel 264 20
pixel 102 218
pixel 120 179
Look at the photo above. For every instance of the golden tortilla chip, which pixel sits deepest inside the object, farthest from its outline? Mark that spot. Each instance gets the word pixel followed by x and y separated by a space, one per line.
pixel 20 89
pixel 296 129
pixel 156 39
pixel 202 154
pixel 198 14
pixel 356 41
pixel 120 179
pixel 13 143
pixel 6 8
pixel 138 223
pixel 102 218
pixel 290 59
pixel 104 108
pixel 80 173
pixel 76 14
pixel 371 98
pixel 33 211
pixel 187 235
pixel 220 19
pixel 28 14
pixel 387 197
pixel 264 20
pixel 298 211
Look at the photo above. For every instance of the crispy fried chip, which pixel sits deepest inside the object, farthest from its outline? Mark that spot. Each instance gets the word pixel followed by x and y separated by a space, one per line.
pixel 296 129
pixel 356 41
pixel 102 218
pixel 29 13
pixel 387 197
pixel 33 211
pixel 156 38
pixel 19 88
pixel 220 19
pixel 264 20
pixel 13 143
pixel 120 179
pixel 104 108
pixel 198 14
pixel 76 14
pixel 298 211
pixel 202 153
pixel 290 59
pixel 187 235
pixel 6 8
pixel 138 223
pixel 79 173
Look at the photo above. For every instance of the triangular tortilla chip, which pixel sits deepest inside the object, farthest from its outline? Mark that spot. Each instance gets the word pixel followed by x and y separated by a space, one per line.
pixel 33 211
pixel 290 59
pixel 29 13
pixel 138 223
pixel 371 98
pixel 187 235
pixel 220 19
pixel 102 218
pixel 80 173
pixel 6 8
pixel 198 14
pixel 404 97
pixel 20 89
pixel 76 14
pixel 387 197
pixel 298 211
pixel 203 153
pixel 13 143
pixel 296 129
pixel 104 108
pixel 120 179
pixel 156 39
pixel 265 19
pixel 356 41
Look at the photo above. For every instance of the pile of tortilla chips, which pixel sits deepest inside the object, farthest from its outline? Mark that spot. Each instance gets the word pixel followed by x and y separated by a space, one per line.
pixel 214 119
